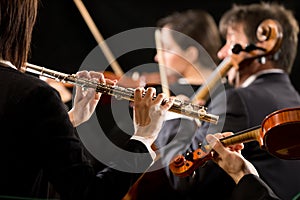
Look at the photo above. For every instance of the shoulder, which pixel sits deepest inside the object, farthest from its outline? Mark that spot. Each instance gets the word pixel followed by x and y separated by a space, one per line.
pixel 22 86
pixel 233 97
pixel 24 81
pixel 35 95
pixel 34 87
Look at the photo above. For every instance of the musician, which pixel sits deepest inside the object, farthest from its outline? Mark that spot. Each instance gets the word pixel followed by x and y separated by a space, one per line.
pixel 262 85
pixel 248 184
pixel 38 139
pixel 189 54
pixel 190 40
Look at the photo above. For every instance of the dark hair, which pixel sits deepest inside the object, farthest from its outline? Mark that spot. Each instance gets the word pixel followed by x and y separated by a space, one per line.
pixel 250 16
pixel 17 18
pixel 198 25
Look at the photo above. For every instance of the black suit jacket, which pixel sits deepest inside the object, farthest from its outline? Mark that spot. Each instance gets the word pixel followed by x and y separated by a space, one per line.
pixel 251 187
pixel 240 109
pixel 38 143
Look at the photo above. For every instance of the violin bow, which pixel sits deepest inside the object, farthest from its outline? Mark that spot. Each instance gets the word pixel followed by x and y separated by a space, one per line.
pixel 98 37
pixel 161 64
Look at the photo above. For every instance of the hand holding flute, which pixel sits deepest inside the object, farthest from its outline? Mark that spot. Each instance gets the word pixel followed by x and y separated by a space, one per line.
pixel 86 100
pixel 181 107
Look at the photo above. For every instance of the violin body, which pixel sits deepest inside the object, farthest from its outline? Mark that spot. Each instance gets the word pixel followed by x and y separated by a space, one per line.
pixel 281 133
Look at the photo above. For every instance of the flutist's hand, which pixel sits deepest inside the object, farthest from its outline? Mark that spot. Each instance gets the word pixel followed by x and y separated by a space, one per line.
pixel 86 99
pixel 149 113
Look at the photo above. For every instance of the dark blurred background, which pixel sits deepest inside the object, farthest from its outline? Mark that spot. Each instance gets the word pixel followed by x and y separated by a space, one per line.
pixel 62 40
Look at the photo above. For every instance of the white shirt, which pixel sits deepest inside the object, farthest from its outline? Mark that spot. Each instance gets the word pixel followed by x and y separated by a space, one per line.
pixel 253 77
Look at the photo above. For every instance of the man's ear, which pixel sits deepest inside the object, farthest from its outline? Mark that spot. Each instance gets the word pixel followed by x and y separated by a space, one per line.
pixel 192 54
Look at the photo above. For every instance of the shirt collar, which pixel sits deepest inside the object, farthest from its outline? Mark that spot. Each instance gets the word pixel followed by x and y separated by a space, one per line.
pixel 253 77
pixel 8 63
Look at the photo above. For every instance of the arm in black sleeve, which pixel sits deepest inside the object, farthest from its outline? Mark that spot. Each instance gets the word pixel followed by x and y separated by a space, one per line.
pixel 61 154
pixel 114 184
pixel 252 187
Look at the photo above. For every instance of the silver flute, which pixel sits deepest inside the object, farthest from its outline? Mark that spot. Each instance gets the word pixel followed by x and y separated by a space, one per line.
pixel 181 107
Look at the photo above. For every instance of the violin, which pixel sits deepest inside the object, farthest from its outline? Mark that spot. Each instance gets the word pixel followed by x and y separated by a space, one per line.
pixel 269 36
pixel 278 135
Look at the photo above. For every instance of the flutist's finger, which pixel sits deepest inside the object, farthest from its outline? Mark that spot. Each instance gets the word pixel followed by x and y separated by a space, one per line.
pixel 150 93
pixel 111 82
pixel 168 104
pixel 83 74
pixel 138 96
pixel 159 99
pixel 98 77
pixel 80 91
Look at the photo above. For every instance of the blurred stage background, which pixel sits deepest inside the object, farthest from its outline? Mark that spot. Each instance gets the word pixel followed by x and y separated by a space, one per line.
pixel 62 40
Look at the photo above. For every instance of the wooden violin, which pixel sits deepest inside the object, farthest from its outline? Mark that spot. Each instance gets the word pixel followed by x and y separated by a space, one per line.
pixel 269 35
pixel 278 134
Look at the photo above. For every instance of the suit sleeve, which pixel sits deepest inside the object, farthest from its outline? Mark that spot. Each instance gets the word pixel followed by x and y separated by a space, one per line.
pixel 61 155
pixel 114 184
pixel 252 187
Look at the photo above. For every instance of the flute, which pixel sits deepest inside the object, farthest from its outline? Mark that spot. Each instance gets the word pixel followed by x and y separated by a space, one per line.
pixel 181 107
